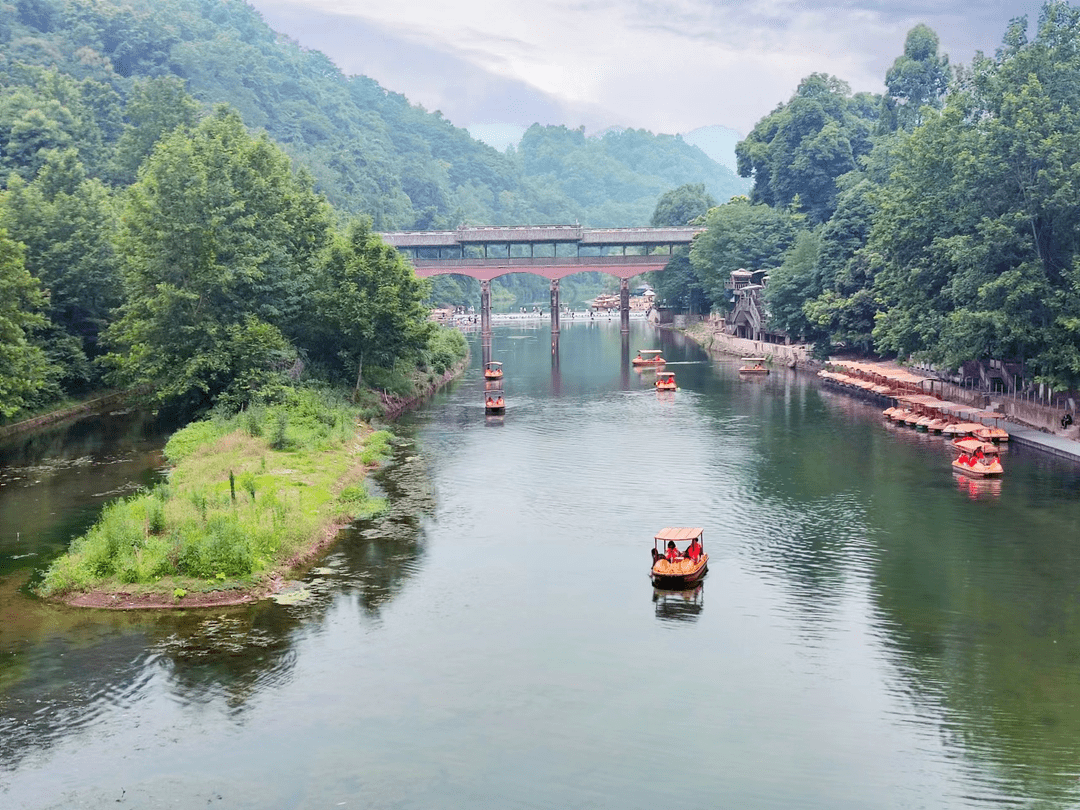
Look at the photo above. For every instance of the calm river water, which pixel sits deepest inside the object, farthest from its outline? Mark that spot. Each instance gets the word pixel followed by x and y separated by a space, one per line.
pixel 873 633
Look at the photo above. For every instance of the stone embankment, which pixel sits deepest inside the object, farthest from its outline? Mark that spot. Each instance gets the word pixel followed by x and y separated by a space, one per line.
pixel 91 406
pixel 1029 423
pixel 712 338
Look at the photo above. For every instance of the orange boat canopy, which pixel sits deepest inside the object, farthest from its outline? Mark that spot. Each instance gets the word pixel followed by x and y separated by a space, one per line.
pixel 679 533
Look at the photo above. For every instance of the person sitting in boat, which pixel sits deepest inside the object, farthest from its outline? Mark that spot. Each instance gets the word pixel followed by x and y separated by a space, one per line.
pixel 490 402
pixel 964 459
pixel 976 458
pixel 693 551
pixel 672 552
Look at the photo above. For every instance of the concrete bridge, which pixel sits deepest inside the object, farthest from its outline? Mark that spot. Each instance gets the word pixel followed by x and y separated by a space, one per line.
pixel 552 251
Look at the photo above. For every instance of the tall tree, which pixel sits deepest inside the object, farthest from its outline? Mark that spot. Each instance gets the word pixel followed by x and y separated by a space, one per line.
pixel 68 223
pixel 918 78
pixel 677 284
pixel 979 228
pixel 368 306
pixel 738 235
pixel 24 367
pixel 218 236
pixel 796 153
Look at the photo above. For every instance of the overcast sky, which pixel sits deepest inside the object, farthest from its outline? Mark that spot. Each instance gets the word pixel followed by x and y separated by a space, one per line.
pixel 668 66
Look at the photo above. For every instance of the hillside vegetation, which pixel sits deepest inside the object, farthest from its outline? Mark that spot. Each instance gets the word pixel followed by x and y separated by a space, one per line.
pixel 368 149
pixel 936 221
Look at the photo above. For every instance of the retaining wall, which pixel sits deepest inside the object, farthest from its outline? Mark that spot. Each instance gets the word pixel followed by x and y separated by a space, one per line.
pixel 712 339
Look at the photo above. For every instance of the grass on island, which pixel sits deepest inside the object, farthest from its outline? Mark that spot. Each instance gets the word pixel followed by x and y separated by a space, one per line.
pixel 247 495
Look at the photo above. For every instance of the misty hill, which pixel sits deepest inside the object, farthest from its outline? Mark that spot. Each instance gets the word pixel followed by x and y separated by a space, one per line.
pixel 369 150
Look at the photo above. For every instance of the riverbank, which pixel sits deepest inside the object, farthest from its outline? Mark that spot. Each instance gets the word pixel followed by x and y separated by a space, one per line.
pixel 98 404
pixel 1057 443
pixel 713 339
pixel 251 500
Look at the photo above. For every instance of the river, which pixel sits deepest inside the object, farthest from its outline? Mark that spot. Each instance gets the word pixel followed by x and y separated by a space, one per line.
pixel 872 633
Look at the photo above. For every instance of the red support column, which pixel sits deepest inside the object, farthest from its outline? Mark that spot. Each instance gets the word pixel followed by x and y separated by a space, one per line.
pixel 554 306
pixel 485 308
pixel 624 304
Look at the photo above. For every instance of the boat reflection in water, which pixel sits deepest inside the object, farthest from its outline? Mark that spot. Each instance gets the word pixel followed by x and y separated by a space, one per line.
pixel 494 419
pixel 679 606
pixel 978 489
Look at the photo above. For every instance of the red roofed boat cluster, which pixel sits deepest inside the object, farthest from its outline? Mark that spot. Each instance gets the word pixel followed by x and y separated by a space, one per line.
pixel 926 412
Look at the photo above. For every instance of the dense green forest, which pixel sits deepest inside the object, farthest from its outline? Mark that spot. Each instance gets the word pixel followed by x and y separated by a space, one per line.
pixel 937 221
pixel 150 236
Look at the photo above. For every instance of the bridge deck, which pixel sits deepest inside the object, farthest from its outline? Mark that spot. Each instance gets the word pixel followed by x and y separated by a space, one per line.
pixel 542 234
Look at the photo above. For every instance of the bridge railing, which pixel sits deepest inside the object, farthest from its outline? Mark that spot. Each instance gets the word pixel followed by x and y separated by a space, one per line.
pixel 537 261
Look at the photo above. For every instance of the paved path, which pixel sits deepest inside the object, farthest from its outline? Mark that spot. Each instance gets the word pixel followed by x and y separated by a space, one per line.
pixel 1048 442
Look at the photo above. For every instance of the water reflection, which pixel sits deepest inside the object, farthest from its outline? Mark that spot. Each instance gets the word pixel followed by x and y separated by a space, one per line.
pixel 61 669
pixel 679 606
pixel 864 615
pixel 978 488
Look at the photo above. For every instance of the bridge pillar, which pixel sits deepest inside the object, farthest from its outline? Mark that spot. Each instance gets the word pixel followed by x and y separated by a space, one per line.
pixel 624 304
pixel 556 375
pixel 485 308
pixel 625 366
pixel 554 306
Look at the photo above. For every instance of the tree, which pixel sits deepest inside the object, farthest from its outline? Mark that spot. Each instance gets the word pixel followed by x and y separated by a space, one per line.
pixel 738 235
pixel 792 283
pixel 218 241
pixel 978 231
pixel 682 206
pixel 801 148
pixel 368 306
pixel 67 223
pixel 917 78
pixel 24 366
pixel 154 108
pixel 677 285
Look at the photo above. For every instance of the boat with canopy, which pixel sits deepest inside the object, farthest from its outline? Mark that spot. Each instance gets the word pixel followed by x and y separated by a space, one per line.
pixel 648 357
pixel 675 568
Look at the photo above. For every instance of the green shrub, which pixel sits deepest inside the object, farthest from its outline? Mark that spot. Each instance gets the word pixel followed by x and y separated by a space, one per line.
pixel 189 439
pixel 376 447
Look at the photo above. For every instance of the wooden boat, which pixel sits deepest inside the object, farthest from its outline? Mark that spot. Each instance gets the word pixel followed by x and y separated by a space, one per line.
pixel 991 434
pixel 758 366
pixel 494 402
pixel 493 371
pixel 976 459
pixel 648 357
pixel 959 430
pixel 665 381
pixel 971 446
pixel 687 565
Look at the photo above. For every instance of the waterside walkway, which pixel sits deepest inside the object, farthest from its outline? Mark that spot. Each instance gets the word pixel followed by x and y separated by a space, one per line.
pixel 1047 442
pixel 885 381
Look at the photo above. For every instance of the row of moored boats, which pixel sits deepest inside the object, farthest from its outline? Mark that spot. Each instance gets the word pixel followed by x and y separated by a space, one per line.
pixel 975 443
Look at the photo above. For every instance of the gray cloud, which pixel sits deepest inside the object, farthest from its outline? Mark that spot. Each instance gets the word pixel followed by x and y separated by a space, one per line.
pixel 739 58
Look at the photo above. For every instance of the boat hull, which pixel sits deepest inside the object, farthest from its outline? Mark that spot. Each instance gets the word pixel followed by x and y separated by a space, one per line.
pixel 979 470
pixel 669 577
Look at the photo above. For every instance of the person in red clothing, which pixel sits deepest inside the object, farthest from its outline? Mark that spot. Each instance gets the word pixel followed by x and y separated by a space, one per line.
pixel 672 553
pixel 693 551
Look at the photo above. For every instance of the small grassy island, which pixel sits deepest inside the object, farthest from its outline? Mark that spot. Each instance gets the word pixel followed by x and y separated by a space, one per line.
pixel 249 497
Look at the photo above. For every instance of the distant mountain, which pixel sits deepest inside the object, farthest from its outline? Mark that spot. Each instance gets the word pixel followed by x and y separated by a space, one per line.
pixel 369 149
pixel 717 142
